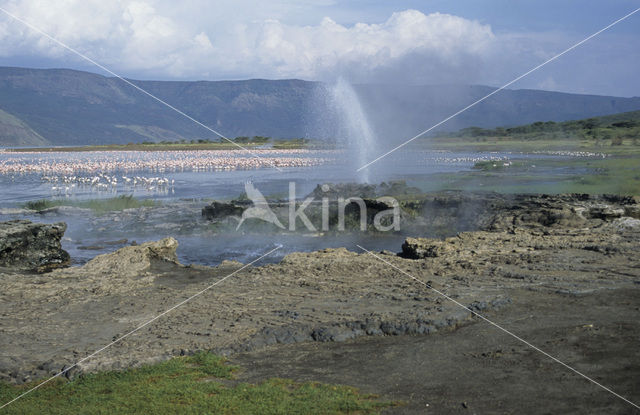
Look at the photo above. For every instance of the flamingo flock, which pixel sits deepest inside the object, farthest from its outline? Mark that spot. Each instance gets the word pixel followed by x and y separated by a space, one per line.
pixel 103 162
pixel 127 171
pixel 105 183
pixel 572 153
pixel 468 159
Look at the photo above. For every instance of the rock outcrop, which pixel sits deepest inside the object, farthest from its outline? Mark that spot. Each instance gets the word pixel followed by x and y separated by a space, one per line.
pixel 416 248
pixel 570 211
pixel 535 221
pixel 132 260
pixel 221 210
pixel 333 191
pixel 444 213
pixel 28 246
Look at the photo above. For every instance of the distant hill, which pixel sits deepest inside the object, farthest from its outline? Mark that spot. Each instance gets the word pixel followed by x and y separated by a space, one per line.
pixel 614 128
pixel 67 107
pixel 14 132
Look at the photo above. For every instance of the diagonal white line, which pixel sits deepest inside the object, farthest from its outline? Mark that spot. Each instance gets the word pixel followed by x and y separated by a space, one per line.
pixel 500 89
pixel 88 59
pixel 498 326
pixel 140 327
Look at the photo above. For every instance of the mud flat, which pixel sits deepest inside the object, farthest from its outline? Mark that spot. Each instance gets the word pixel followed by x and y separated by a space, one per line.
pixel 563 270
pixel 477 368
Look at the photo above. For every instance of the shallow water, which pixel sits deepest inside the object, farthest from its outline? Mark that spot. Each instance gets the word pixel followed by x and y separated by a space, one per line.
pixel 89 175
pixel 185 190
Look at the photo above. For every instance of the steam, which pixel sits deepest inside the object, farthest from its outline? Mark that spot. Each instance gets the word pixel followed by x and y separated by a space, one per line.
pixel 339 116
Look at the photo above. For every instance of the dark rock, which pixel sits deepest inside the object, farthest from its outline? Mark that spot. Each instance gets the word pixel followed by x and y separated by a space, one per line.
pixel 535 215
pixel 50 367
pixel 619 199
pixel 606 212
pixel 396 188
pixel 28 246
pixel 372 208
pixel 333 191
pixel 221 210
pixel 321 335
pixel 570 210
pixel 417 248
pixel 632 211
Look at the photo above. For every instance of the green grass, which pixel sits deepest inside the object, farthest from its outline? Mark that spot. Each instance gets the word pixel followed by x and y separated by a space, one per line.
pixel 497 144
pixel 618 172
pixel 295 143
pixel 613 175
pixel 281 144
pixel 198 384
pixel 97 205
pixel 140 147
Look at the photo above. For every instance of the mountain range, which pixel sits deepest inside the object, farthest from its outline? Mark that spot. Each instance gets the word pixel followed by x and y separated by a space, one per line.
pixel 68 107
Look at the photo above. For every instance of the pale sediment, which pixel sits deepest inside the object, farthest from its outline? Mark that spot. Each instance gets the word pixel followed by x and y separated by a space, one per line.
pixel 561 245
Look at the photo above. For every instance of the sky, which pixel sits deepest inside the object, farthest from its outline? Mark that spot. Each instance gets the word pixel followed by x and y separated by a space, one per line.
pixel 380 41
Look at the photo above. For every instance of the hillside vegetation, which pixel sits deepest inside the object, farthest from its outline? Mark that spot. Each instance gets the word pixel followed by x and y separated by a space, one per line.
pixel 612 130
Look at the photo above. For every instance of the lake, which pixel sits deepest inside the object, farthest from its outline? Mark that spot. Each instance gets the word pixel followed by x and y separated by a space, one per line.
pixel 184 181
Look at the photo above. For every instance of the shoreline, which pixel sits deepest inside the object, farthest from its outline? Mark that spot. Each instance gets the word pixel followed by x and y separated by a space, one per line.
pixel 160 147
pixel 537 243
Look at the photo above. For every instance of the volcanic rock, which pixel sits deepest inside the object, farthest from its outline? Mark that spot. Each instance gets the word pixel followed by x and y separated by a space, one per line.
pixel 221 210
pixel 28 246
pixel 416 248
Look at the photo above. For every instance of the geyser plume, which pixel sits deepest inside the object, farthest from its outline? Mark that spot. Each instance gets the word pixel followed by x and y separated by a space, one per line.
pixel 343 119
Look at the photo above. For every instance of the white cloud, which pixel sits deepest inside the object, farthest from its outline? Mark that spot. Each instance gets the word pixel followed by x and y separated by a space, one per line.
pixel 131 35
pixel 312 51
pixel 147 37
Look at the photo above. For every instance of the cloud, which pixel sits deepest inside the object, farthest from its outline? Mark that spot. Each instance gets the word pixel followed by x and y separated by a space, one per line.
pixel 368 49
pixel 146 37
pixel 192 39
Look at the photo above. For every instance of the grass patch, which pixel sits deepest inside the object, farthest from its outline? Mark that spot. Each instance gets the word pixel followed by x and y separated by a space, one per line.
pixel 291 144
pixel 97 205
pixel 42 204
pixel 237 144
pixel 614 174
pixel 513 145
pixel 602 155
pixel 185 385
pixel 137 147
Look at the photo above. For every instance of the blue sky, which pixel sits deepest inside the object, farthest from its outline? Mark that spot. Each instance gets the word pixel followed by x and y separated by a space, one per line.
pixel 415 42
pixel 532 15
